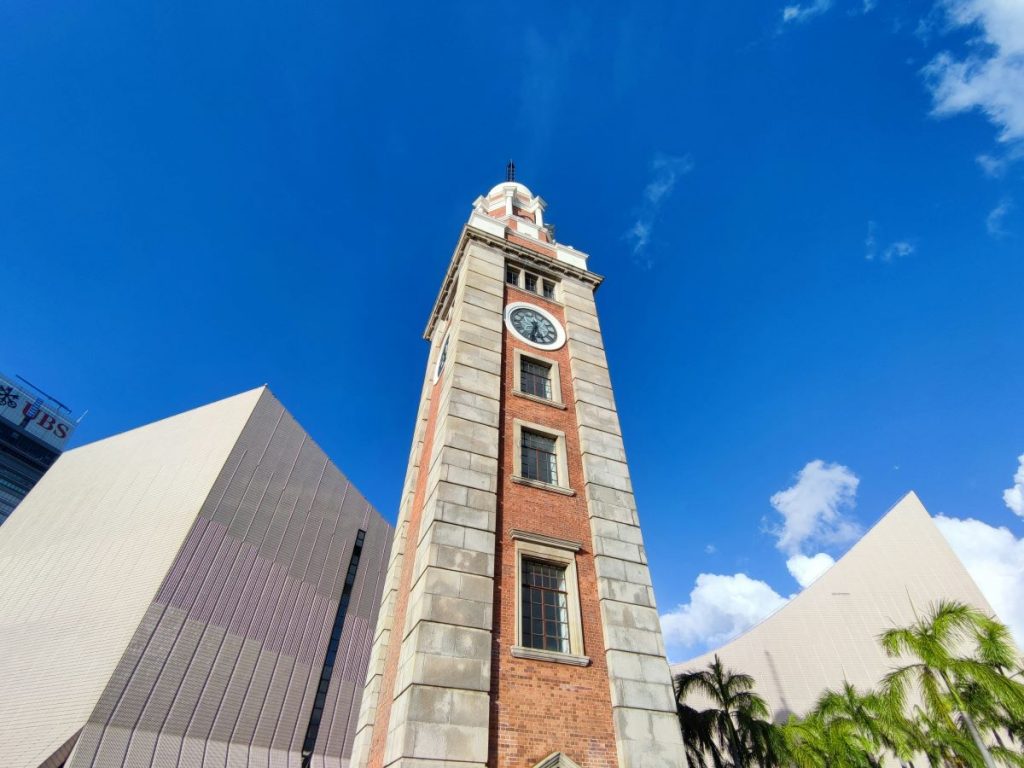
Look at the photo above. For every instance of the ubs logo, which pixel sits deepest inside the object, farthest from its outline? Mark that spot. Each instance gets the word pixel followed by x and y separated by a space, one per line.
pixel 33 414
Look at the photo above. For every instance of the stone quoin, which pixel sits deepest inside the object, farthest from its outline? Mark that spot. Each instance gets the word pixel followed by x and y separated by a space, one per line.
pixel 518 625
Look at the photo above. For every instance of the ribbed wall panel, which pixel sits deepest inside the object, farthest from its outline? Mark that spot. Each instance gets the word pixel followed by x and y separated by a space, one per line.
pixel 223 669
pixel 81 563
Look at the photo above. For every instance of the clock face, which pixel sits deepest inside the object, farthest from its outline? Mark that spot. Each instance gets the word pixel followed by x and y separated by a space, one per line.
pixel 535 326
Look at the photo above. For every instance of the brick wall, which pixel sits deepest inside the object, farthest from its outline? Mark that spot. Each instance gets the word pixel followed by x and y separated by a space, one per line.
pixel 539 707
pixel 382 722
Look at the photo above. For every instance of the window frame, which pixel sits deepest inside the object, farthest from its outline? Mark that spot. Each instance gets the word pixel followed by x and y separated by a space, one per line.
pixel 538 378
pixel 442 357
pixel 541 457
pixel 543 280
pixel 556 381
pixel 561 553
pixel 561 460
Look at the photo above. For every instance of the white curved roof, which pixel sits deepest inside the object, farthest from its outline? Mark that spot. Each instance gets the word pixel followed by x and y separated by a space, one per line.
pixel 829 631
pixel 522 189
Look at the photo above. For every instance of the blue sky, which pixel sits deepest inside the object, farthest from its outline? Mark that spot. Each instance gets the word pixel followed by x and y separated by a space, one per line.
pixel 810 219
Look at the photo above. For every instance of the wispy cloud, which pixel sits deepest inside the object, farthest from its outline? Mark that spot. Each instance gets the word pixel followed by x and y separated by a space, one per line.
pixel 801 13
pixel 548 53
pixel 665 173
pixel 995 163
pixel 990 78
pixel 871 242
pixel 994 220
pixel 897 249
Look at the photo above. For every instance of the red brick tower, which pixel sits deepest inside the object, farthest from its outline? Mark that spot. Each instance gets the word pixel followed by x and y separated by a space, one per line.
pixel 518 626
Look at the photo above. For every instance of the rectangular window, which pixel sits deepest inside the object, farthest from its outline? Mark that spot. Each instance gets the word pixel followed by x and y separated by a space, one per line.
pixel 545 607
pixel 531 282
pixel 512 276
pixel 441 358
pixel 549 289
pixel 535 378
pixel 538 458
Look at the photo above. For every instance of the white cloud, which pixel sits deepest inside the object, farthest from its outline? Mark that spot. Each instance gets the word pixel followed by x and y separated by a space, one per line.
pixel 995 559
pixel 710 549
pixel 894 250
pixel 800 13
pixel 869 6
pixel 995 165
pixel 991 77
pixel 720 608
pixel 1014 497
pixel 807 569
pixel 871 242
pixel 994 220
pixel 812 508
pixel 665 173
pixel 898 250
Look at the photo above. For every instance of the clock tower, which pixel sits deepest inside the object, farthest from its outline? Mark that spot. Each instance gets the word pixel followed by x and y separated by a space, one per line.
pixel 518 626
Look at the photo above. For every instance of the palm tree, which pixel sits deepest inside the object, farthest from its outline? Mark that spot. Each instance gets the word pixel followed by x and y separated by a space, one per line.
pixel 698 736
pixel 736 727
pixel 959 686
pixel 875 719
pixel 818 742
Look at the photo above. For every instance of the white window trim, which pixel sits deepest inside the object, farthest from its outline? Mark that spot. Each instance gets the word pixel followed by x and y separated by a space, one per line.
pixel 561 460
pixel 517 379
pixel 562 552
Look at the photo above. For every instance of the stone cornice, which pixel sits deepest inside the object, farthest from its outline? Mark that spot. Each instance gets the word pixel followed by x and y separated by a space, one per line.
pixel 545 540
pixel 521 254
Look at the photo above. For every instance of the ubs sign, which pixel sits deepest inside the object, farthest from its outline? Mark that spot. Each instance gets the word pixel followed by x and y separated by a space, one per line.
pixel 34 415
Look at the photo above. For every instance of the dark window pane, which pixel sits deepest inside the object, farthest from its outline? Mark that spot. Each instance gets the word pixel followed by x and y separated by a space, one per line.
pixel 535 378
pixel 512 276
pixel 549 289
pixel 543 585
pixel 531 282
pixel 538 457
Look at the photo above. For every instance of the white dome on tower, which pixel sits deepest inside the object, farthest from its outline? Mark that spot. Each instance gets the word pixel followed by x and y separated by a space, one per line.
pixel 511 211
pixel 517 189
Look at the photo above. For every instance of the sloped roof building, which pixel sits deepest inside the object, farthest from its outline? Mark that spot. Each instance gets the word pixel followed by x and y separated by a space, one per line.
pixel 199 591
pixel 828 633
